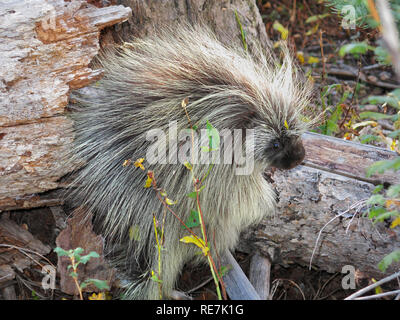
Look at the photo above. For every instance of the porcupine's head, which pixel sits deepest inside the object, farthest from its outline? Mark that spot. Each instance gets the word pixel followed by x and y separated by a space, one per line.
pixel 273 99
pixel 279 120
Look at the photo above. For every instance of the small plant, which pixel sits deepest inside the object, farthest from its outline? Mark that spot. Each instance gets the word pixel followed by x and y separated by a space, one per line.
pixel 385 204
pixel 195 218
pixel 333 111
pixel 76 259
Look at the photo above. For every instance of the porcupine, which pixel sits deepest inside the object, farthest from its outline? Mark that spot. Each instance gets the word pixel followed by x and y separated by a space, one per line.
pixel 144 84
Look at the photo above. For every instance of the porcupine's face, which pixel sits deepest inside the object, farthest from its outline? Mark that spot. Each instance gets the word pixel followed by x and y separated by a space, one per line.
pixel 285 152
pixel 279 146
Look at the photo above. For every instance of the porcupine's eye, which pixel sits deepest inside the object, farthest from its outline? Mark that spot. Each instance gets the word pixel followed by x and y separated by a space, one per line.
pixel 276 145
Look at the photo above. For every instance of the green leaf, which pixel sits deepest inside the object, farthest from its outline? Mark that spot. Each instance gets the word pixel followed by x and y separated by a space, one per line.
pixel 317 17
pixel 188 165
pixel 155 277
pixel 382 55
pixel 375 115
pixel 365 138
pixel 242 32
pixel 78 251
pixel 392 99
pixel 394 191
pixel 213 136
pixel 383 165
pixel 373 213
pixel 193 194
pixel 394 134
pixel 331 125
pixel 86 258
pixel 376 199
pixel 100 284
pixel 388 260
pixel 193 220
pixel 355 48
pixel 386 215
pixel 377 189
pixel 134 232
pixel 61 252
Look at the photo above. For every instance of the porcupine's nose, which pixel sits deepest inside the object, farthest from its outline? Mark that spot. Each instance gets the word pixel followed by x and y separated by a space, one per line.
pixel 297 155
pixel 294 155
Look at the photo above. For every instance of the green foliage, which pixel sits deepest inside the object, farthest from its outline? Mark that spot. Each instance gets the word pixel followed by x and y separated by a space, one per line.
pixel 333 112
pixel 392 99
pixel 377 116
pixel 75 255
pixel 383 165
pixel 388 260
pixel 385 204
pixel 362 16
pixel 355 48
pixel 193 219
pixel 242 32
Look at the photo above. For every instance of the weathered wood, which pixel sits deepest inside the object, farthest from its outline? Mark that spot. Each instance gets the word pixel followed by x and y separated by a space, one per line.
pixel 45 50
pixel 310 198
pixel 149 15
pixel 259 275
pixel 13 236
pixel 346 158
pixel 238 287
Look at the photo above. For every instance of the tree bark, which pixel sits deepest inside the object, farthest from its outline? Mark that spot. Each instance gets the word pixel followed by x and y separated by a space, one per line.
pixel 45 50
pixel 149 15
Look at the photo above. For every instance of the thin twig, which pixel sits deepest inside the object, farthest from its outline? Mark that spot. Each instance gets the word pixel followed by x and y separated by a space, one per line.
pixel 335 217
pixel 372 286
pixel 322 57
pixel 379 295
pixel 22 250
pixel 293 283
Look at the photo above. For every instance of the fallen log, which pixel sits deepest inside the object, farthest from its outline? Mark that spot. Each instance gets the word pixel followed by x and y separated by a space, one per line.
pixel 325 200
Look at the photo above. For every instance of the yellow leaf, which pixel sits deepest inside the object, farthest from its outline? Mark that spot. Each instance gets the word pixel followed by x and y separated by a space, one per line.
pixel 364 124
pixel 197 241
pixel 188 165
pixel 148 182
pixel 390 202
pixel 312 60
pixel 170 202
pixel 312 30
pixel 100 296
pixel 163 193
pixel 395 222
pixel 282 30
pixel 378 289
pixel 286 125
pixel 138 163
pixel 300 57
pixel 393 145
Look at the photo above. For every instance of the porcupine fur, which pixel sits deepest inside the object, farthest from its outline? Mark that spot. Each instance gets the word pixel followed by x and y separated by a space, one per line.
pixel 143 87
